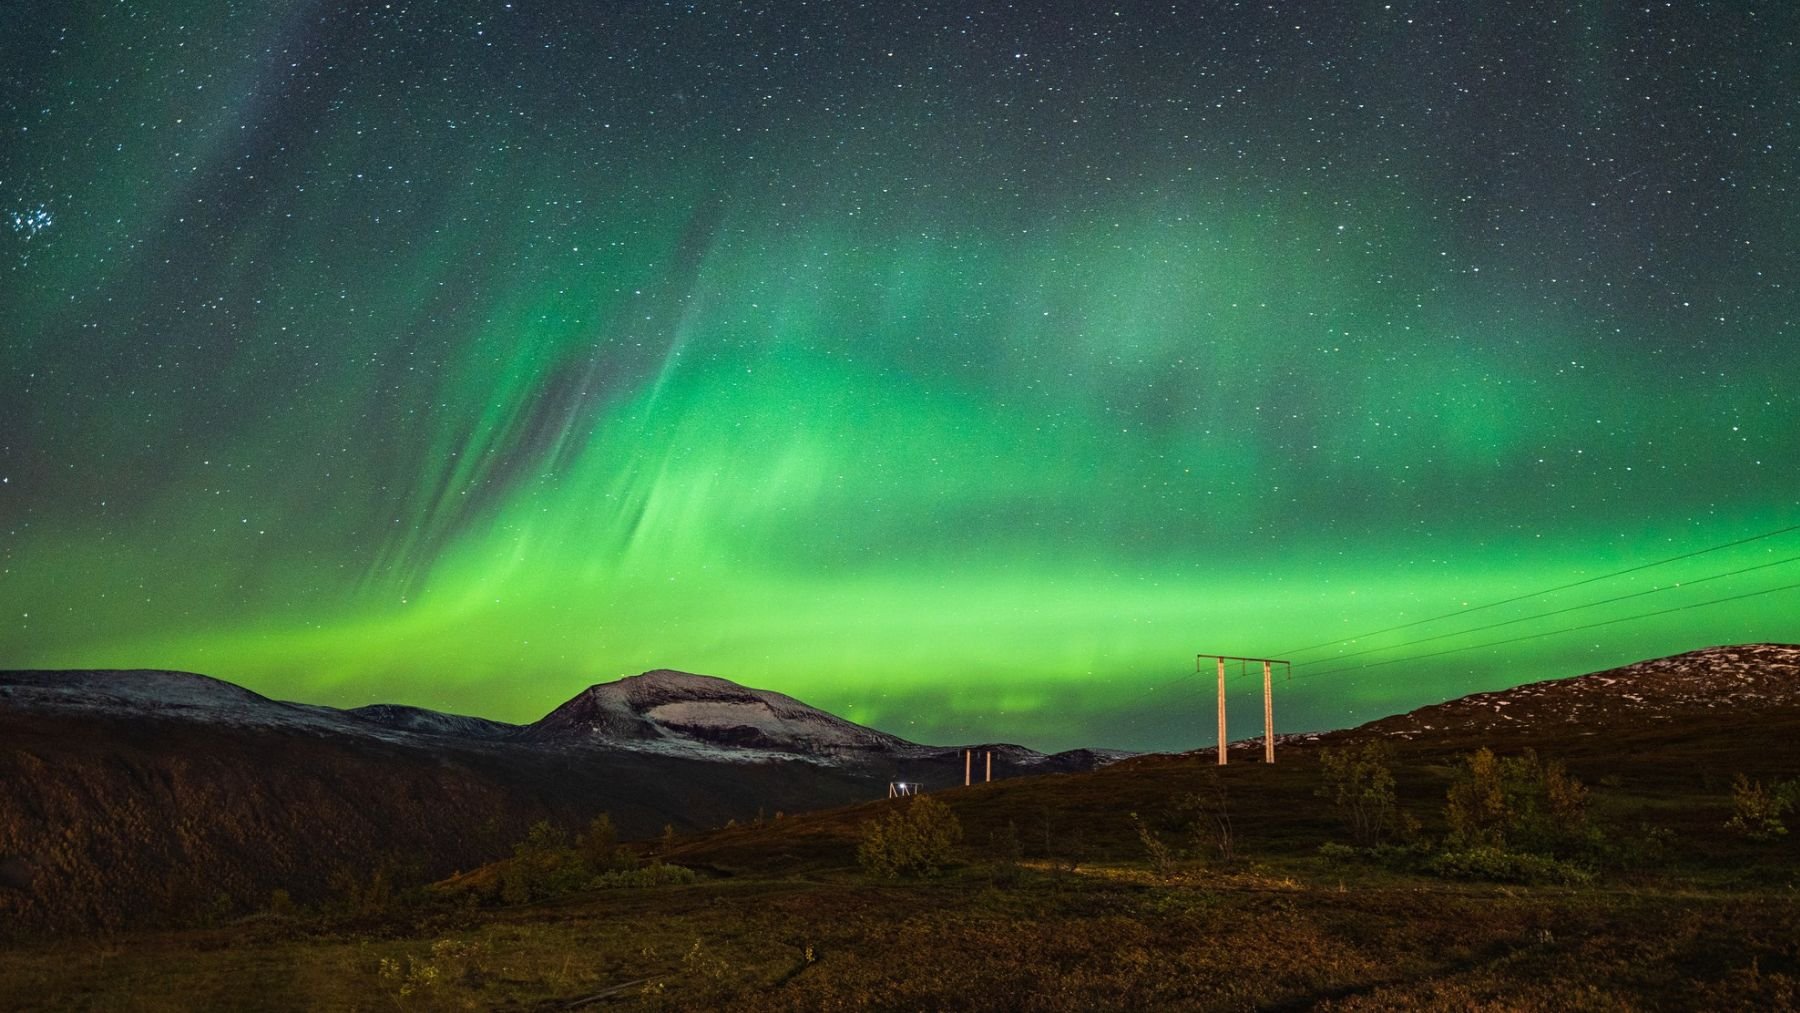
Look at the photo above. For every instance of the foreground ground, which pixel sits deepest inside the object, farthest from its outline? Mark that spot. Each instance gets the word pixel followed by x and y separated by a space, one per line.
pixel 1105 937
pixel 1052 902
pixel 781 918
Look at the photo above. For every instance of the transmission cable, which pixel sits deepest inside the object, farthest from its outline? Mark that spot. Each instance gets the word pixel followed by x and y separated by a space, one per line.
pixel 1549 633
pixel 1554 612
pixel 1534 594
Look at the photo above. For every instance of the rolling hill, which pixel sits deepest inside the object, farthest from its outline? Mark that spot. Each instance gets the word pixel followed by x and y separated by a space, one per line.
pixel 145 797
pixel 149 796
pixel 1050 902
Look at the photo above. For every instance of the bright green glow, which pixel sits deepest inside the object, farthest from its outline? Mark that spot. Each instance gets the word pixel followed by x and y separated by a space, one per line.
pixel 448 410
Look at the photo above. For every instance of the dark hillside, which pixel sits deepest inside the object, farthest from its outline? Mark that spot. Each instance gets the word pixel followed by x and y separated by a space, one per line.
pixel 145 822
pixel 1664 754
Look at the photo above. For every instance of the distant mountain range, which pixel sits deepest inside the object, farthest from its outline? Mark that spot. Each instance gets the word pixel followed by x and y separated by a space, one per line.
pixel 147 796
pixel 659 713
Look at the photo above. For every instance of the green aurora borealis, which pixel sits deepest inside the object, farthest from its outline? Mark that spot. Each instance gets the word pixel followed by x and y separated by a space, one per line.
pixel 963 371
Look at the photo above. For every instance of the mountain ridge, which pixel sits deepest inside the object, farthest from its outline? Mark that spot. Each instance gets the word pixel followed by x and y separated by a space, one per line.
pixel 671 712
pixel 662 712
pixel 1653 690
pixel 133 796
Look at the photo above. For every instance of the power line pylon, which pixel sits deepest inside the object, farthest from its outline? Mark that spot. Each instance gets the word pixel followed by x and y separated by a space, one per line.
pixel 1268 700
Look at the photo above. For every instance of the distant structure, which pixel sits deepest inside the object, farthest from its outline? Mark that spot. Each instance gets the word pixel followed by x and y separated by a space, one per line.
pixel 898 788
pixel 969 767
pixel 1268 699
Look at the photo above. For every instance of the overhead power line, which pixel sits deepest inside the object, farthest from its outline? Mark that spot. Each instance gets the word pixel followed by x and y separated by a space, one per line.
pixel 1553 612
pixel 1549 633
pixel 1550 590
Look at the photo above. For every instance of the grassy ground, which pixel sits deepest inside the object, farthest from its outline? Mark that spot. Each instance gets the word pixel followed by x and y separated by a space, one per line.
pixel 783 920
pixel 1105 937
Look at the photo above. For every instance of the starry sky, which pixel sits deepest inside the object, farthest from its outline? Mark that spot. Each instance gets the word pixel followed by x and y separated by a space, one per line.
pixel 964 368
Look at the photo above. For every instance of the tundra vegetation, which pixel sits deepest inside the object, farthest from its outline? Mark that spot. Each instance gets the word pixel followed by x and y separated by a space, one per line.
pixel 1366 874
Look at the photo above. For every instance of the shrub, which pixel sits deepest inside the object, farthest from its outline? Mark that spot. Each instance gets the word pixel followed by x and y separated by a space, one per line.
pixel 543 865
pixel 415 979
pixel 281 903
pixel 913 841
pixel 358 897
pixel 1503 866
pixel 1360 784
pixel 1756 811
pixel 648 876
pixel 1645 847
pixel 1399 857
pixel 1205 818
pixel 599 847
pixel 1518 803
pixel 1162 859
pixel 1476 806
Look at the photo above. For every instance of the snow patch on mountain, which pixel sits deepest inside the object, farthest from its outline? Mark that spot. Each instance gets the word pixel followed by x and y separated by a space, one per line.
pixel 663 713
pixel 679 713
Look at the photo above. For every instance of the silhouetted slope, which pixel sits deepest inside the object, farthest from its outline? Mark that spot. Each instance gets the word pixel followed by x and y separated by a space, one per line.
pixel 1742 677
pixel 148 796
pixel 1660 739
pixel 133 820
pixel 141 797
pixel 430 722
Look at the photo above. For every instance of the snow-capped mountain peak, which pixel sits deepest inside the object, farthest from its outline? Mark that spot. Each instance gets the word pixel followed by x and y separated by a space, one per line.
pixel 678 712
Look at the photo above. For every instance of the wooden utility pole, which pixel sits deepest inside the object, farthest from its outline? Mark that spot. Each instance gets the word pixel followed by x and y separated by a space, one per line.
pixel 968 760
pixel 1268 701
pixel 1221 712
pixel 990 767
pixel 1268 716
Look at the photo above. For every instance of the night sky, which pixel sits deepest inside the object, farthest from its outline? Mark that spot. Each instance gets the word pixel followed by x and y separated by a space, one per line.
pixel 963 368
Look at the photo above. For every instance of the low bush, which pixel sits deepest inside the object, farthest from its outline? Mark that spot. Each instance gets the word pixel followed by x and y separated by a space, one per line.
pixel 1756 811
pixel 1519 804
pixel 1502 866
pixel 549 864
pixel 1399 857
pixel 599 847
pixel 916 840
pixel 1359 782
pixel 1204 818
pixel 649 875
pixel 1162 857
pixel 543 865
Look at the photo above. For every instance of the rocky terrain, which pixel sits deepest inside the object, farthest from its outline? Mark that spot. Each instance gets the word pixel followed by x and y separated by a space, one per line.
pixel 1744 676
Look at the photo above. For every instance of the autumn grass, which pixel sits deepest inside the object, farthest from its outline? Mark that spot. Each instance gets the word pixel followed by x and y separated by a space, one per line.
pixel 1108 936
pixel 782 919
